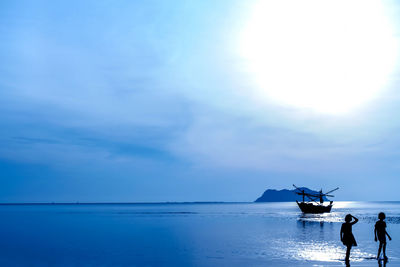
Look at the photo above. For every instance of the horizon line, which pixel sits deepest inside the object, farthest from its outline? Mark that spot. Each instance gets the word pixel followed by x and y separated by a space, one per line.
pixel 167 202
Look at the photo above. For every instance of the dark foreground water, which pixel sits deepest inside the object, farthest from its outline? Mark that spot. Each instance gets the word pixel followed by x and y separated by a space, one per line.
pixel 271 234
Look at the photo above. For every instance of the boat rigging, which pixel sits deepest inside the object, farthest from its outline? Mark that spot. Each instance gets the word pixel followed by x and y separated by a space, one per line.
pixel 315 203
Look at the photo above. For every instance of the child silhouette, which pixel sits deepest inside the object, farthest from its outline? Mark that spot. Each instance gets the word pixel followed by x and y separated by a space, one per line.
pixel 380 231
pixel 346 235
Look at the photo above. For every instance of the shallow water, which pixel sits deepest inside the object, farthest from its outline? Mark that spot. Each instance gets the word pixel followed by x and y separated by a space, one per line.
pixel 229 234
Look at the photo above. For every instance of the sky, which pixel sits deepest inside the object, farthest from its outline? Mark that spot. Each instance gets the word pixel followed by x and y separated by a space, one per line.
pixel 151 101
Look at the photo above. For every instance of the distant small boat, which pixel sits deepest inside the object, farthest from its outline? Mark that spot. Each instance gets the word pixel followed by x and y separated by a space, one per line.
pixel 316 201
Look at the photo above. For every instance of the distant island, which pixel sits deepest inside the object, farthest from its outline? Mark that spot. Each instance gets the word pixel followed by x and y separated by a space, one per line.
pixel 285 195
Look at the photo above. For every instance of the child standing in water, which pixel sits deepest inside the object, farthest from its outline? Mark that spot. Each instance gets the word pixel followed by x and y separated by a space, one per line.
pixel 380 231
pixel 346 234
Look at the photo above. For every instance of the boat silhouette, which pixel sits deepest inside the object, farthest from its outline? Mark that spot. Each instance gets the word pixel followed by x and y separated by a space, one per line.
pixel 315 203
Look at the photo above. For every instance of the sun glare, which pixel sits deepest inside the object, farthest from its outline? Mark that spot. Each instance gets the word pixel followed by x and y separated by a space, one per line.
pixel 325 56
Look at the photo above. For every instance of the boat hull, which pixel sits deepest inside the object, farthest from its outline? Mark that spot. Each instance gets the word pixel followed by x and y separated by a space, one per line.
pixel 308 207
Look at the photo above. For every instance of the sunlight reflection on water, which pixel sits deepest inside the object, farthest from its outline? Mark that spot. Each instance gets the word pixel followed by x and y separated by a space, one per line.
pixel 326 217
pixel 318 251
pixel 312 247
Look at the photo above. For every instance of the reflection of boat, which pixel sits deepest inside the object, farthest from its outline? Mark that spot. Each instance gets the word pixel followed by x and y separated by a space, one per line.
pixel 316 201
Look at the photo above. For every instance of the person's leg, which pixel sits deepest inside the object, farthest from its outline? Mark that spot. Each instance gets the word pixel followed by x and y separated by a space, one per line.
pixel 379 250
pixel 348 253
pixel 384 250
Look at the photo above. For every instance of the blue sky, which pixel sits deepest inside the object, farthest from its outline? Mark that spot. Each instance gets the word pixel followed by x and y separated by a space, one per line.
pixel 154 101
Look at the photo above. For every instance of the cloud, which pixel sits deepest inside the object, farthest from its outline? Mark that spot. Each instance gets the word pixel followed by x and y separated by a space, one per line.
pixel 296 144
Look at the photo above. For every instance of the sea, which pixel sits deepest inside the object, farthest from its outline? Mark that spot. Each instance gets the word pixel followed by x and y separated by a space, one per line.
pixel 191 234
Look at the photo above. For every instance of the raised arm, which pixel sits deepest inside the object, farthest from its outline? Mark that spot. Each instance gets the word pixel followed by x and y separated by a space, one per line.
pixel 355 220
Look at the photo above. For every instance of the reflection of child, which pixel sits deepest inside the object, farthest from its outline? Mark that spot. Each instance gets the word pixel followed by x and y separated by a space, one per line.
pixel 380 231
pixel 346 234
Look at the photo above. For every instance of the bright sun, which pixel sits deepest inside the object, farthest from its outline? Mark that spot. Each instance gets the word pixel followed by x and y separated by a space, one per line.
pixel 325 56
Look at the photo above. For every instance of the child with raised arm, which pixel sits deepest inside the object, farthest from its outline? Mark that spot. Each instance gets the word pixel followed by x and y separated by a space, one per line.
pixel 346 235
pixel 380 232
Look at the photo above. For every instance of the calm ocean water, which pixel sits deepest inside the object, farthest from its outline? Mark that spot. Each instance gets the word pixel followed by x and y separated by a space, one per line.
pixel 231 234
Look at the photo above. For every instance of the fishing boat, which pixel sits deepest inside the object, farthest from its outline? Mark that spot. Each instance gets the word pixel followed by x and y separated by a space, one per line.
pixel 315 203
